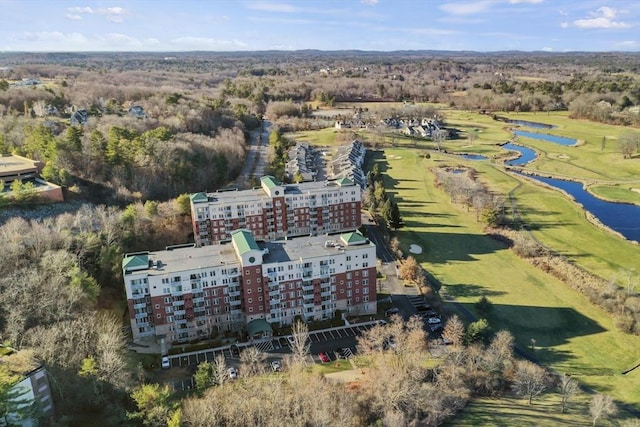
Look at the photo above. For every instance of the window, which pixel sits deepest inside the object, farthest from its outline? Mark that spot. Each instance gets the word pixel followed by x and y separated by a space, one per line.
pixel 248 289
pixel 250 300
pixel 157 306
pixel 250 311
pixel 365 273
pixel 159 316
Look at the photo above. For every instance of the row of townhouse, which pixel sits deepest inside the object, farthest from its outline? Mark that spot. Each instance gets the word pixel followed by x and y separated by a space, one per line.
pixel 302 162
pixel 188 292
pixel 347 163
pixel 276 210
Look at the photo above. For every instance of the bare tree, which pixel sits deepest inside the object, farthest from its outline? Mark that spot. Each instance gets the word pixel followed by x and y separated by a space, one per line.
pixel 252 361
pixel 530 380
pixel 454 331
pixel 220 373
pixel 300 345
pixel 601 405
pixel 568 388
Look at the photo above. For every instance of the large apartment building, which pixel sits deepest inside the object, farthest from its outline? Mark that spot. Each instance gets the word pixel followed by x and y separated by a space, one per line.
pixel 276 210
pixel 188 292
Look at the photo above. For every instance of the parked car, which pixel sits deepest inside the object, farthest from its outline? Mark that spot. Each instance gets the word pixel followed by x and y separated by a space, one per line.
pixel 392 311
pixel 234 350
pixel 324 357
pixel 421 308
pixel 433 320
pixel 389 343
pixel 276 366
pixel 233 373
pixel 166 363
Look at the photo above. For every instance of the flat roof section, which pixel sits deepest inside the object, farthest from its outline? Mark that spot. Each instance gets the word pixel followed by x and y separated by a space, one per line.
pixel 13 165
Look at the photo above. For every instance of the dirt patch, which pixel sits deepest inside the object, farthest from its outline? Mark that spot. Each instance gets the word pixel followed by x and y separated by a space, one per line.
pixel 563 156
pixel 635 190
pixel 350 376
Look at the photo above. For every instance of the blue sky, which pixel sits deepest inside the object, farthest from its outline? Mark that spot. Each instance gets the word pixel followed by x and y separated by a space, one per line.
pixel 383 25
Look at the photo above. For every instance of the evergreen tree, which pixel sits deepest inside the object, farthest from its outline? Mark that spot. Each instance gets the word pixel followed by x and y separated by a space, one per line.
pixel 395 220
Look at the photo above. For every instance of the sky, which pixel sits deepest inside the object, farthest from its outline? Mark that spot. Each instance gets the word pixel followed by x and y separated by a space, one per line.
pixel 372 25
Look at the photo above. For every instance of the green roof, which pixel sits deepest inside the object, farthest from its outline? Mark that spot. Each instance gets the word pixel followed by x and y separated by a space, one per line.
pixel 243 241
pixel 258 325
pixel 199 197
pixel 354 238
pixel 134 261
pixel 344 182
pixel 269 181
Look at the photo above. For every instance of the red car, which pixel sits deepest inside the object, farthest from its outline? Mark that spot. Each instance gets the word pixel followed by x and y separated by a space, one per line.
pixel 324 357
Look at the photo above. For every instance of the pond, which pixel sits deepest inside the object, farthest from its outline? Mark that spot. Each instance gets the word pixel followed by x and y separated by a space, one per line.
pixel 527 123
pixel 621 217
pixel 526 154
pixel 472 156
pixel 546 137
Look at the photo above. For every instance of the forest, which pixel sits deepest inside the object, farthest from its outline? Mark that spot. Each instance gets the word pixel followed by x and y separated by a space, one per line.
pixel 127 176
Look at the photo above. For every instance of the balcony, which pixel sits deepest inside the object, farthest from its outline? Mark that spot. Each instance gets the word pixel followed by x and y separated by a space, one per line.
pixel 141 305
pixel 307 288
pixel 325 294
pixel 308 296
pixel 179 312
pixel 234 293
pixel 235 302
pixel 308 305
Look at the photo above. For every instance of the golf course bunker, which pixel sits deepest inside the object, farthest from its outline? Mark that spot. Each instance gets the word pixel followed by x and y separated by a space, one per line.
pixel 415 249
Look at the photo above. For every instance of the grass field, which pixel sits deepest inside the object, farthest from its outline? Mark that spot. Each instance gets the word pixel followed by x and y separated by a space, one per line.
pixel 571 334
pixel 544 412
pixel 616 192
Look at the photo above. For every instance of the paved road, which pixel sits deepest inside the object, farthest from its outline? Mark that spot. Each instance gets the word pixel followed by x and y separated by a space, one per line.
pixel 256 160
pixel 373 233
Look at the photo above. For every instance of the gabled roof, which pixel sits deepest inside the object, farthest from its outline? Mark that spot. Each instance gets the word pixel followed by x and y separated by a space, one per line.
pixel 243 241
pixel 352 239
pixel 344 182
pixel 270 181
pixel 199 197
pixel 135 261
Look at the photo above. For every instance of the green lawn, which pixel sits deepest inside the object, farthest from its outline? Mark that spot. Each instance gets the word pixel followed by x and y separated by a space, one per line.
pixel 618 193
pixel 323 137
pixel 544 412
pixel 571 334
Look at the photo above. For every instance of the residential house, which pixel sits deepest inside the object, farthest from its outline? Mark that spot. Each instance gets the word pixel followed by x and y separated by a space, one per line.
pixel 79 118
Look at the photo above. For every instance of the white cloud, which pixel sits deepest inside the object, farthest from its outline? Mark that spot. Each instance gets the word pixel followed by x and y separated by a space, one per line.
pixel 114 14
pixel 628 45
pixel 75 13
pixel 525 1
pixel 77 10
pixel 564 24
pixel 53 36
pixel 547 49
pixel 369 2
pixel 120 40
pixel 205 43
pixel 272 7
pixel 467 8
pixel 601 18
